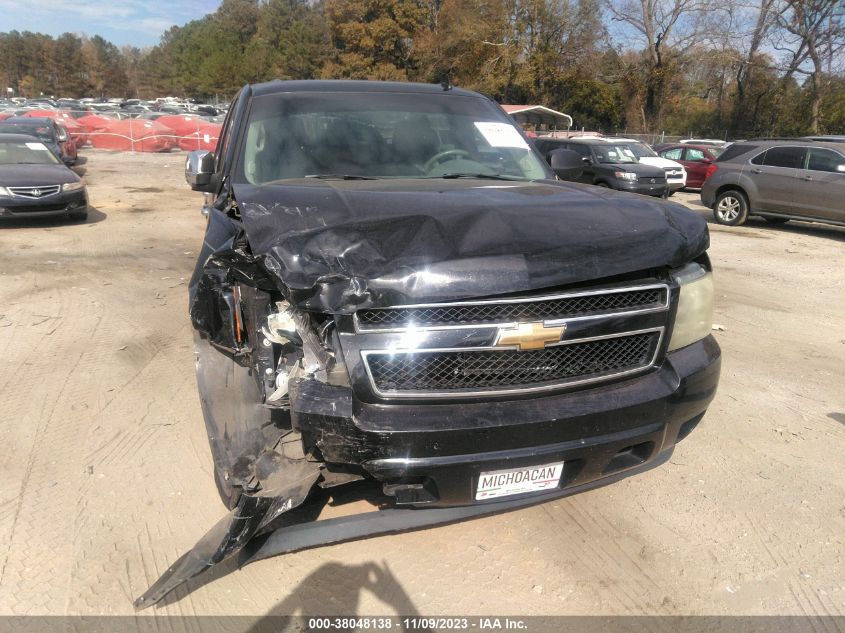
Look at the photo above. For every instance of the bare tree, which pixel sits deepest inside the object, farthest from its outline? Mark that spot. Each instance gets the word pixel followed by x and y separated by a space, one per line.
pixel 665 28
pixel 753 23
pixel 811 33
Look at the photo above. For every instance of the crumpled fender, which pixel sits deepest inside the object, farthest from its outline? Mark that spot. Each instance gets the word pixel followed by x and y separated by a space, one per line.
pixel 285 486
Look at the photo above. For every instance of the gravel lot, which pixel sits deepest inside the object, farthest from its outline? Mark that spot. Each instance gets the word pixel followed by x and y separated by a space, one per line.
pixel 106 473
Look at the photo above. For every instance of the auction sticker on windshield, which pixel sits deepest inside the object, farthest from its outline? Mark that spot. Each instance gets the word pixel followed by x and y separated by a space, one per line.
pixel 503 483
pixel 500 134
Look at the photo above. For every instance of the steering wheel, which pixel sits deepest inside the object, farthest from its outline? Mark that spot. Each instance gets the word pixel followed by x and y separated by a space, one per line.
pixel 442 157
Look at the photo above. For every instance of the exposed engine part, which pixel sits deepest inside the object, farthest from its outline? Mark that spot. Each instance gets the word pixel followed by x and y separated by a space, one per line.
pixel 281 387
pixel 317 360
pixel 281 326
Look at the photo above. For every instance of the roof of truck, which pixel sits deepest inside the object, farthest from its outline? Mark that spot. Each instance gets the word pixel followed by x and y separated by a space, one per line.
pixel 344 85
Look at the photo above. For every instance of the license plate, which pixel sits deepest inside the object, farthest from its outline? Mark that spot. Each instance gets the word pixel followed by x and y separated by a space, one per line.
pixel 503 483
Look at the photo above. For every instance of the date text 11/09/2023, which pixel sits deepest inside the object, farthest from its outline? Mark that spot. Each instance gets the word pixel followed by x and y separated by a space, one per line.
pixel 416 623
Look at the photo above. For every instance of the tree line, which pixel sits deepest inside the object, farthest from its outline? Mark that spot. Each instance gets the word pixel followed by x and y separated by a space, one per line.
pixel 734 68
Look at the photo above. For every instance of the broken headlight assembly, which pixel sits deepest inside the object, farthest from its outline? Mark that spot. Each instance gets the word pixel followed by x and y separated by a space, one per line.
pixel 694 318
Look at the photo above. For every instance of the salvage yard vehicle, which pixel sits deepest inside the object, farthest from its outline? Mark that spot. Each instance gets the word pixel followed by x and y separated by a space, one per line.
pixel 46 130
pixel 396 297
pixel 697 160
pixel 676 175
pixel 35 183
pixel 607 164
pixel 778 180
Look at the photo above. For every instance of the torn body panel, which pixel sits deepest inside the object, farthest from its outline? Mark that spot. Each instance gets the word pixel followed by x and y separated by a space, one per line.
pixel 285 485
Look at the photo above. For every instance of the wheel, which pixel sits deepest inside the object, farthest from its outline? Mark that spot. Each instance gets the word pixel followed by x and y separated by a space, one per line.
pixel 442 157
pixel 731 208
pixel 603 184
pixel 776 220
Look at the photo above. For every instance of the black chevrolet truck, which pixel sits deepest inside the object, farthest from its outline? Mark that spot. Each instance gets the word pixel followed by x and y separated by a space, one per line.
pixel 396 295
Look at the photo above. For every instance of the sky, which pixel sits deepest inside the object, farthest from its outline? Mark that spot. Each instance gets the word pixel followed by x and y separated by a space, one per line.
pixel 135 22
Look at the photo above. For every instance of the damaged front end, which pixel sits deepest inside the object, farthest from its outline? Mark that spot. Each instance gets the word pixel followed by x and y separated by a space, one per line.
pixel 250 345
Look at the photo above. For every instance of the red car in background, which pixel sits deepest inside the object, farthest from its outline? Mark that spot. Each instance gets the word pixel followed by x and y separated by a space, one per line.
pixel 697 159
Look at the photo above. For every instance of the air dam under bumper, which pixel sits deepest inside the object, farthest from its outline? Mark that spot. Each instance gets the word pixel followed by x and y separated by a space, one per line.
pixel 432 454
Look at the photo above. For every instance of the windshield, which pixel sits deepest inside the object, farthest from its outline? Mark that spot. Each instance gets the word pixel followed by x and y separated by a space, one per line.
pixel 614 154
pixel 716 151
pixel 43 132
pixel 639 150
pixel 25 153
pixel 381 135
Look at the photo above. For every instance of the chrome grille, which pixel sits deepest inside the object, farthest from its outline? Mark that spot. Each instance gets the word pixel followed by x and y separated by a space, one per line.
pixel 567 306
pixel 35 192
pixel 460 371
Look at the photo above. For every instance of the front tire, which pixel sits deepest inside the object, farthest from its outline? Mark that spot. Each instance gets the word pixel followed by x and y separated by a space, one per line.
pixel 731 208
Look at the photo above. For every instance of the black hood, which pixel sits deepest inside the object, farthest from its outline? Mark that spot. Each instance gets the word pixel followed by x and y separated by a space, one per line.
pixel 337 245
pixel 34 175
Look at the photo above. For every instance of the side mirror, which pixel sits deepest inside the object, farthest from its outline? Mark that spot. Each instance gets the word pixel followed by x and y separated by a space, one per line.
pixel 62 136
pixel 706 161
pixel 566 164
pixel 199 168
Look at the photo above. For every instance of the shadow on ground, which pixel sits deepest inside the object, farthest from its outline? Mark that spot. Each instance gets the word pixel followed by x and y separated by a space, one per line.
pixel 336 588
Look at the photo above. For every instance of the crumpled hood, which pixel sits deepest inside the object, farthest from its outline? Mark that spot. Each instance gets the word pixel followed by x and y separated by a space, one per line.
pixel 337 246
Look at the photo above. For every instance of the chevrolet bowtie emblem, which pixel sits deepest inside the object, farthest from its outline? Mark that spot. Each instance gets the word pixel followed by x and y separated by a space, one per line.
pixel 529 335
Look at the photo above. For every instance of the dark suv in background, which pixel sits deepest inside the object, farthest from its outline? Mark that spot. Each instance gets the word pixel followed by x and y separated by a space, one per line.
pixel 608 165
pixel 779 180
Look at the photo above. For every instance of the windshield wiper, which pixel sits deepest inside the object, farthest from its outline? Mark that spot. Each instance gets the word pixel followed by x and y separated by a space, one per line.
pixel 340 177
pixel 451 176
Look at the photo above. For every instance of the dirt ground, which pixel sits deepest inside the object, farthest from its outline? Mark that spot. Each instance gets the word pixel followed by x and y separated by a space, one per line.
pixel 105 472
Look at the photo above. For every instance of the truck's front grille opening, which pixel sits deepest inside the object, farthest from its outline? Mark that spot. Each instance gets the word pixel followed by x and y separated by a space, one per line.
pixel 569 306
pixel 462 371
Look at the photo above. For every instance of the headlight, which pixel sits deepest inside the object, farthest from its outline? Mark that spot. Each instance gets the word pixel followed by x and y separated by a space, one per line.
pixel 4 192
pixel 73 186
pixel 695 306
pixel 625 175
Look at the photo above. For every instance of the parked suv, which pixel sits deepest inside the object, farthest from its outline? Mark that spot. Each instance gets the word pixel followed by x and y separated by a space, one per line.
pixel 676 175
pixel 778 180
pixel 607 164
pixel 396 297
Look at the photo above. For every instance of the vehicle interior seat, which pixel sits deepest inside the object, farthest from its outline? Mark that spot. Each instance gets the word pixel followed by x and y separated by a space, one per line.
pixel 415 141
pixel 279 155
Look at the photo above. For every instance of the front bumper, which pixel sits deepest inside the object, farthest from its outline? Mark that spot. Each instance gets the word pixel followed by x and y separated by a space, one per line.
pixel 645 188
pixel 60 204
pixel 432 454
